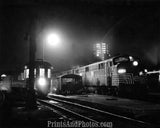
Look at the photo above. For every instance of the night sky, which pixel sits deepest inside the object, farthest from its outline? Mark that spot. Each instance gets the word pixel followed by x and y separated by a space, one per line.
pixel 128 26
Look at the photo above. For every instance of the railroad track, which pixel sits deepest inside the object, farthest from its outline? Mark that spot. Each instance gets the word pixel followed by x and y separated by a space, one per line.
pixel 65 112
pixel 80 112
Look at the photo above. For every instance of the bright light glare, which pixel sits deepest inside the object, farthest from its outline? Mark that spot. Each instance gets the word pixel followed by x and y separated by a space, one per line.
pixel 80 74
pixel 135 63
pixel 3 75
pixel 42 82
pixel 53 39
pixel 121 71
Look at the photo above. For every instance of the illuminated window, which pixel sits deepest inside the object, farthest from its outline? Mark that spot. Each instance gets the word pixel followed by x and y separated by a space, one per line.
pixel 98 45
pixel 42 72
pixel 35 73
pixel 27 73
pixel 49 73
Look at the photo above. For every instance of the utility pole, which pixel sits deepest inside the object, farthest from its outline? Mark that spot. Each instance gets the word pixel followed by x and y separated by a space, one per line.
pixel 31 98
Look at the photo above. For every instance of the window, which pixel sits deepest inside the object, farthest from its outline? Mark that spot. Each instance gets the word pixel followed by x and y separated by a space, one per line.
pixel 107 64
pixel 27 73
pixel 42 72
pixel 87 69
pixel 101 66
pixel 35 73
pixel 77 71
pixel 110 63
pixel 49 73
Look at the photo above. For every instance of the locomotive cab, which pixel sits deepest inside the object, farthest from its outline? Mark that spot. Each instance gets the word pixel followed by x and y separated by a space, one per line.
pixel 42 75
pixel 131 83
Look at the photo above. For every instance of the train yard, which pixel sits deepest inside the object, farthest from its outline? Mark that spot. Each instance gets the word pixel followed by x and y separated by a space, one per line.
pixel 84 63
pixel 95 95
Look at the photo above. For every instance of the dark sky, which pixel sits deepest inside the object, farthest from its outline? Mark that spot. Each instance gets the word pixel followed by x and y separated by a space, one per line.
pixel 128 26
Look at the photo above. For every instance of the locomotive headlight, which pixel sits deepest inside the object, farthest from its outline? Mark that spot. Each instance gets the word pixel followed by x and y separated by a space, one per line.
pixel 135 63
pixel 121 71
pixel 42 82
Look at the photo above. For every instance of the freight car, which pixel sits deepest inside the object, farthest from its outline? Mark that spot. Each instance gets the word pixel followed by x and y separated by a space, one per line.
pixel 67 84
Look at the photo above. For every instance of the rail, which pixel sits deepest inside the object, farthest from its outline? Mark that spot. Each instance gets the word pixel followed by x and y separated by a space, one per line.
pixel 117 116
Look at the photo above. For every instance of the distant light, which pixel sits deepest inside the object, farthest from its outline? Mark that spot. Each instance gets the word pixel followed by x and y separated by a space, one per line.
pixel 121 71
pixel 131 58
pixel 145 70
pixel 140 73
pixel 3 75
pixel 135 63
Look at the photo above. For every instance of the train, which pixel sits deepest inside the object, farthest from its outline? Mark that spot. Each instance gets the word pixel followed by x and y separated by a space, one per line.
pixel 42 77
pixel 17 83
pixel 120 75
